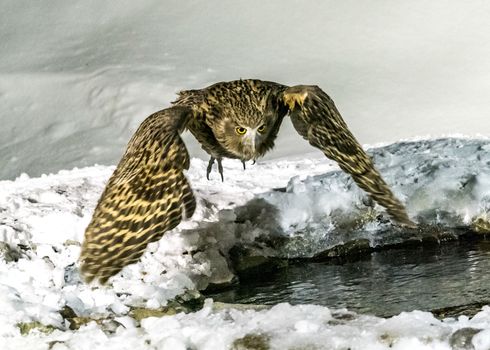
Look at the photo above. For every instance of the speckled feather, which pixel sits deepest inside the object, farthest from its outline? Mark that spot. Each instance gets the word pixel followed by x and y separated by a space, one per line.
pixel 315 117
pixel 146 196
pixel 148 193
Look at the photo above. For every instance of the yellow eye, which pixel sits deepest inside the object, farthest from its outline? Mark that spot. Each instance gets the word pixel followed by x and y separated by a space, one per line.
pixel 240 130
pixel 261 128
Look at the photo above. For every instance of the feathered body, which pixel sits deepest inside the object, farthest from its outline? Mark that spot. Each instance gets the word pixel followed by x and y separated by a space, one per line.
pixel 148 193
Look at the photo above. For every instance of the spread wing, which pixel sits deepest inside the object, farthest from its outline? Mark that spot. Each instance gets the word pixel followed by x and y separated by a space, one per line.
pixel 316 118
pixel 146 196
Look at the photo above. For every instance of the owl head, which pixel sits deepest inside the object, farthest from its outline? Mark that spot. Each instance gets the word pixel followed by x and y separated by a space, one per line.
pixel 248 134
pixel 243 115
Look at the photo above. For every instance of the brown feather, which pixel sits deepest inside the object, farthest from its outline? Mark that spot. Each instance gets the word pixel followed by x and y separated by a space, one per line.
pixel 146 196
pixel 316 118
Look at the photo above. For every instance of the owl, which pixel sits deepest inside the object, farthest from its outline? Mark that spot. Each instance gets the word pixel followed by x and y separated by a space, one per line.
pixel 148 193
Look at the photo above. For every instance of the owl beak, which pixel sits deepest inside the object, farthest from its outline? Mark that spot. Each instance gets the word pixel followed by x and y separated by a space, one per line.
pixel 253 142
pixel 252 139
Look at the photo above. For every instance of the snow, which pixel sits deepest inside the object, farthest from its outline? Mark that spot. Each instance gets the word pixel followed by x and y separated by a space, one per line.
pixel 77 79
pixel 282 327
pixel 444 182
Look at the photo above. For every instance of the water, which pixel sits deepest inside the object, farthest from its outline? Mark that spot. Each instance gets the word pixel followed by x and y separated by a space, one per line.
pixel 384 283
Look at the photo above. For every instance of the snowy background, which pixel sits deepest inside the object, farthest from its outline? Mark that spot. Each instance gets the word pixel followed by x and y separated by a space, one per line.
pixel 77 78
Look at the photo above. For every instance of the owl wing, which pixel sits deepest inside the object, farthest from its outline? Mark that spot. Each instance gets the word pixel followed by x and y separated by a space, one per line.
pixel 146 196
pixel 315 117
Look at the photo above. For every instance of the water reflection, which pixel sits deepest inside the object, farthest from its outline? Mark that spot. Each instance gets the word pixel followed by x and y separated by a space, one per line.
pixel 384 283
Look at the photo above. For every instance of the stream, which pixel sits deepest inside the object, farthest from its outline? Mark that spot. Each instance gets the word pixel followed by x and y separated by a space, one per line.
pixel 382 283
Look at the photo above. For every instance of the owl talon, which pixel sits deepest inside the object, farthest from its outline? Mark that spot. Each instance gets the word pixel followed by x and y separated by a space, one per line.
pixel 220 169
pixel 210 167
pixel 244 167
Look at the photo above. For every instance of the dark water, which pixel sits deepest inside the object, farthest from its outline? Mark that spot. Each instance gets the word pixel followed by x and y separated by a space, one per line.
pixel 384 283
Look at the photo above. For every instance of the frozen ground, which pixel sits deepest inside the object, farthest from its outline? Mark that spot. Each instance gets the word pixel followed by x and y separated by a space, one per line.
pixel 444 182
pixel 77 79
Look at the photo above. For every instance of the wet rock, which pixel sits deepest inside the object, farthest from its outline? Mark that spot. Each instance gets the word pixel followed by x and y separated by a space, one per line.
pixel 455 311
pixel 252 342
pixel 430 240
pixel 461 339
pixel 357 219
pixel 352 248
pixel 254 258
pixel 190 301
pixel 67 312
pixel 481 224
pixel 340 317
pixel 218 306
pixel 448 236
pixel 344 315
pixel 8 253
pixel 221 274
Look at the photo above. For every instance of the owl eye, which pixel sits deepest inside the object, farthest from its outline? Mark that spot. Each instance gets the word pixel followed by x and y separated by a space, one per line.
pixel 261 128
pixel 240 130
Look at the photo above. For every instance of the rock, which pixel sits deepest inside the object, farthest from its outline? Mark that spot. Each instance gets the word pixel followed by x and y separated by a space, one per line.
pixel 481 224
pixel 357 220
pixel 191 300
pixel 106 324
pixel 8 253
pixel 221 274
pixel 254 258
pixel 67 312
pixel 455 311
pixel 353 248
pixel 69 242
pixel 140 313
pixel 218 306
pixel 251 342
pixel 71 274
pixel 461 339
pixel 27 327
pixel 77 322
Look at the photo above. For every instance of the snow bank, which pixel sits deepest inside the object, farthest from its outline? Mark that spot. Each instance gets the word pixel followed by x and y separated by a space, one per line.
pixel 445 185
pixel 282 327
pixel 42 220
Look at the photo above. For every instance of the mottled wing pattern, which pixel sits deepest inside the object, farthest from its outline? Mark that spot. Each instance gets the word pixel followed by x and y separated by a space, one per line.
pixel 146 196
pixel 316 118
